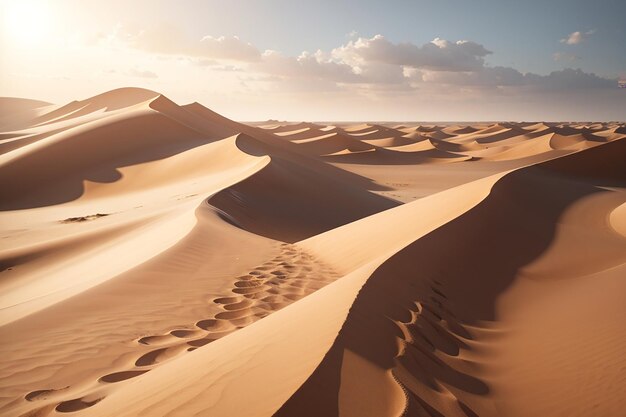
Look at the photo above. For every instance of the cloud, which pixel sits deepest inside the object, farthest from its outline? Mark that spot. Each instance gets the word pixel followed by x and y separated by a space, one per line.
pixel 575 38
pixel 570 79
pixel 142 73
pixel 373 64
pixel 483 77
pixel 305 66
pixel 567 79
pixel 380 64
pixel 439 54
pixel 321 66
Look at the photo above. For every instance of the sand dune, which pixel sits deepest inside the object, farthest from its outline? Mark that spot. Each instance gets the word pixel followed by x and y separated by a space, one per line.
pixel 331 143
pixel 288 202
pixel 163 260
pixel 438 339
pixel 16 112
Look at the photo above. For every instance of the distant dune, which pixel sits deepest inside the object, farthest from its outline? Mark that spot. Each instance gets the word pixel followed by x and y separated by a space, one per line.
pixel 163 260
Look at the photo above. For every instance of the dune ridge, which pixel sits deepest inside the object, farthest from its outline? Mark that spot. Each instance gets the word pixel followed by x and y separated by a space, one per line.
pixel 177 261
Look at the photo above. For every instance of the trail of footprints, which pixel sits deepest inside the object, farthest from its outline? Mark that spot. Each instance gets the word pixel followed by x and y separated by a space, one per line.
pixel 288 277
pixel 433 328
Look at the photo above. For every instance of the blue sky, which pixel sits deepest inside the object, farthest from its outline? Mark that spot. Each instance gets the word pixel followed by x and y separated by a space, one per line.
pixel 327 59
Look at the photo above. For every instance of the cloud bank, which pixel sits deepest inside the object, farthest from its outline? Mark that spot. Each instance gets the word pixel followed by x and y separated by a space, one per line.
pixel 375 62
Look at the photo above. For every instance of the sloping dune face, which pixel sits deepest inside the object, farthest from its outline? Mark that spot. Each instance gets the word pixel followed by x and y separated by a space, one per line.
pixel 162 260
pixel 445 326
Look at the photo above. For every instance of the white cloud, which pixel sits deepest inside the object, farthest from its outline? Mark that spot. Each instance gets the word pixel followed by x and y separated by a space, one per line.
pixel 362 64
pixel 577 37
pixel 305 66
pixel 438 54
pixel 378 63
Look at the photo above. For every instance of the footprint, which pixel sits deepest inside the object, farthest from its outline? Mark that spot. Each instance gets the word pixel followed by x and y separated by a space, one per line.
pixel 246 277
pixel 250 290
pixel 267 288
pixel 120 376
pixel 158 340
pixel 264 268
pixel 200 342
pixel 256 295
pixel 78 404
pixel 227 300
pixel 243 321
pixel 42 394
pixel 186 334
pixel 248 284
pixel 213 325
pixel 159 355
pixel 236 314
pixel 245 303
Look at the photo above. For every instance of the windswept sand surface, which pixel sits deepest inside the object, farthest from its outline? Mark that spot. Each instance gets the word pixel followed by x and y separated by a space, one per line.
pixel 162 260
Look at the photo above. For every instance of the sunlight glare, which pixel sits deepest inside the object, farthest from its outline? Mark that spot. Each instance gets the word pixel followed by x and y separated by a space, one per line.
pixel 27 22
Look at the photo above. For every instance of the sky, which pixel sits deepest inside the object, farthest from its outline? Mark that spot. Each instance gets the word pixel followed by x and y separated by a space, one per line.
pixel 327 60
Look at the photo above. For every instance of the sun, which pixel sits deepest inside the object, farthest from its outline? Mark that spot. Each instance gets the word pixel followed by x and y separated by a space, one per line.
pixel 27 22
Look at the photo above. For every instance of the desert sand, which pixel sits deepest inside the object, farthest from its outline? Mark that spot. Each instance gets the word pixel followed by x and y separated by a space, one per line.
pixel 162 260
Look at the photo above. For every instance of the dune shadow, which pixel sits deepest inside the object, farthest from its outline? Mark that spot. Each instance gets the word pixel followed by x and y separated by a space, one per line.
pixel 289 202
pixel 426 294
pixel 56 173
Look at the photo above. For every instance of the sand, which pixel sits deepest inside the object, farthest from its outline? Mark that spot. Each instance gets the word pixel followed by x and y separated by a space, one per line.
pixel 162 260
